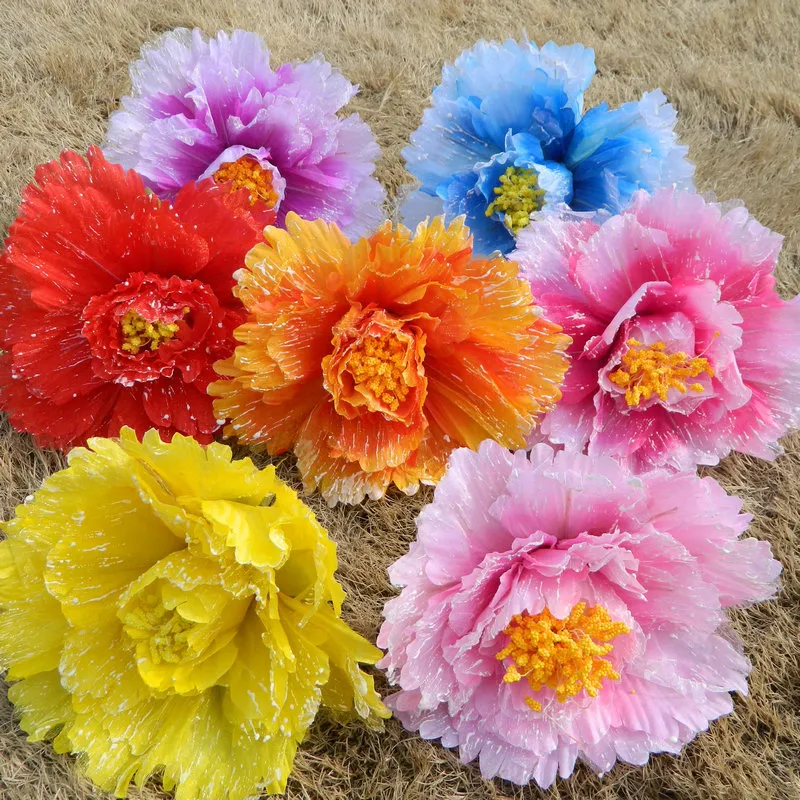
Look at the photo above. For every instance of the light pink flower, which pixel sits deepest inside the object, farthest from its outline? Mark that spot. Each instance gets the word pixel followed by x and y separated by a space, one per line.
pixel 511 541
pixel 682 349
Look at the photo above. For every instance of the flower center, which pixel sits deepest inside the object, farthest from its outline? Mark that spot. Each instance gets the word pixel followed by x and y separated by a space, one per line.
pixel 139 333
pixel 165 630
pixel 646 371
pixel 518 196
pixel 377 364
pixel 565 655
pixel 247 173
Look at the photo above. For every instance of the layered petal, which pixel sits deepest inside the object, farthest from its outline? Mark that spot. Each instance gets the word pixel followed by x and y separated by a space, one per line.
pixel 374 359
pixel 682 350
pixel 116 304
pixel 198 105
pixel 505 142
pixel 171 610
pixel 554 606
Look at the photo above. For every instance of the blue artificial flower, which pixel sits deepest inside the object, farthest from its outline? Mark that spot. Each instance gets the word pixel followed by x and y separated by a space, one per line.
pixel 506 138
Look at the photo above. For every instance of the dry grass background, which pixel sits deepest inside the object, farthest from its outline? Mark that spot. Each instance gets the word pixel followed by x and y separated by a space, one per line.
pixel 732 67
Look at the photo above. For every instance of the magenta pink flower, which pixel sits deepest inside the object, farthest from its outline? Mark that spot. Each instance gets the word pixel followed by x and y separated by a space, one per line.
pixel 560 607
pixel 682 349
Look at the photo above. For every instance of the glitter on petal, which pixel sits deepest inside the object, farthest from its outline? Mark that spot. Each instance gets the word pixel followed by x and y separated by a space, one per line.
pixel 682 350
pixel 198 105
pixel 374 359
pixel 114 304
pixel 506 141
pixel 164 609
pixel 556 607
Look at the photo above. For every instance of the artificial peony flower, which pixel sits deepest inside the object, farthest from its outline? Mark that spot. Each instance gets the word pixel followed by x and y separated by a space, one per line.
pixel 215 108
pixel 373 360
pixel 506 140
pixel 165 609
pixel 114 305
pixel 682 350
pixel 559 607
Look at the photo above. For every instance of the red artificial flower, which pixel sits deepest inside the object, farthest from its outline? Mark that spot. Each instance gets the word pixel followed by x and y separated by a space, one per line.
pixel 114 304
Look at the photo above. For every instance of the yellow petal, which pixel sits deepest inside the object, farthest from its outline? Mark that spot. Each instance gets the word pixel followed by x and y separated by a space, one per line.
pixel 175 612
pixel 42 703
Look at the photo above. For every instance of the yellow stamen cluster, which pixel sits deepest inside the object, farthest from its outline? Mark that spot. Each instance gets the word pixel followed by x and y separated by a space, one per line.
pixel 165 629
pixel 247 173
pixel 565 655
pixel 139 333
pixel 646 371
pixel 377 364
pixel 518 196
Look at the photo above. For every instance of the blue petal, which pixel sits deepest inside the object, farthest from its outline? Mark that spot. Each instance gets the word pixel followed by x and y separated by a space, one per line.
pixel 488 67
pixel 489 234
pixel 418 206
pixel 578 62
pixel 525 145
pixel 524 151
pixel 556 180
pixel 614 153
pixel 445 143
pixel 489 175
pixel 454 190
pixel 456 196
pixel 492 90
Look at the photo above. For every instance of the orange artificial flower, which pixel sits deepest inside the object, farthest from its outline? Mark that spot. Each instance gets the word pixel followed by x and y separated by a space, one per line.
pixel 375 359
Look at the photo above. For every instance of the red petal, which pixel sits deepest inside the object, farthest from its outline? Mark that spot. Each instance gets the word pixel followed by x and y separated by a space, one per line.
pixel 61 237
pixel 231 231
pixel 55 360
pixel 15 302
pixel 57 426
pixel 183 407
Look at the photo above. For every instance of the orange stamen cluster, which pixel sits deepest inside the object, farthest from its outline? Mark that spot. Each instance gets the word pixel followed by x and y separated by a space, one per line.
pixel 139 333
pixel 247 173
pixel 565 655
pixel 646 371
pixel 377 364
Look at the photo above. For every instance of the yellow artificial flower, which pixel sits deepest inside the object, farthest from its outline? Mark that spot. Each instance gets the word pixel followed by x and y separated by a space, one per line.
pixel 166 609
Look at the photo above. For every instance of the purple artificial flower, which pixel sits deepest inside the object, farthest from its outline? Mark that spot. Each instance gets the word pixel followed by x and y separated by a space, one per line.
pixel 215 108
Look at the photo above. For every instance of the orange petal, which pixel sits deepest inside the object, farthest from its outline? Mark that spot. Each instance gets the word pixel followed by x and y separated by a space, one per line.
pixel 272 420
pixel 343 480
pixel 479 393
pixel 300 338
